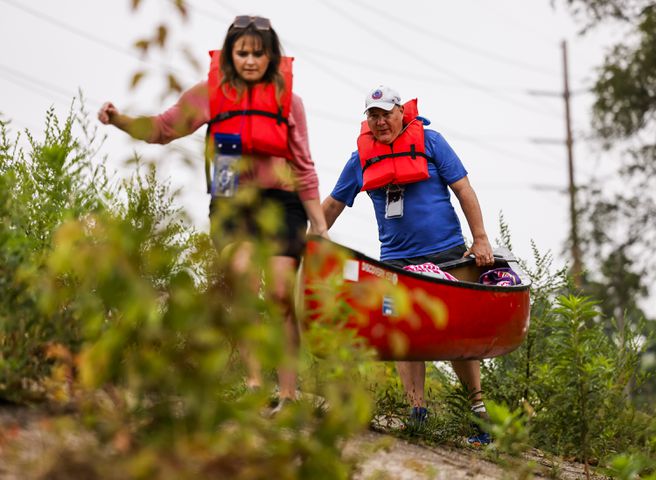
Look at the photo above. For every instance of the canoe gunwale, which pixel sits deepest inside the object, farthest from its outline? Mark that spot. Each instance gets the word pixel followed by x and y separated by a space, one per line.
pixel 500 254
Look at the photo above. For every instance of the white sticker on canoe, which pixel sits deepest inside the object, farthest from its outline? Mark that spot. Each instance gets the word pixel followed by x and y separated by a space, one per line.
pixel 351 270
pixel 388 307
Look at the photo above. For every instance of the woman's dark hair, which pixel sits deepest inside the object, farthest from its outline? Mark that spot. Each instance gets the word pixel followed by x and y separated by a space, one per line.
pixel 271 46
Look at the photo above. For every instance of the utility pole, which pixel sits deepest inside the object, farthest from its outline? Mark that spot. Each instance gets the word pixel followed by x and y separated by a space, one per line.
pixel 569 142
pixel 575 249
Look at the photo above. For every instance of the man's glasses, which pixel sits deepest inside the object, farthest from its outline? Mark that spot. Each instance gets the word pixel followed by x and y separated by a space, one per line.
pixel 243 21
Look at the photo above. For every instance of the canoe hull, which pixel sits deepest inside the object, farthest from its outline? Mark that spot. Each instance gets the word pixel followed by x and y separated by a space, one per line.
pixel 408 316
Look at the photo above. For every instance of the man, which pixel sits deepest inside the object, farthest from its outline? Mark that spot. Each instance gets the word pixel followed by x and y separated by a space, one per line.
pixel 407 171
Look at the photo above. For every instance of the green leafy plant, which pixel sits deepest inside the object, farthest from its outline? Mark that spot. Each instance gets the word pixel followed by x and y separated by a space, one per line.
pixel 43 186
pixel 633 466
pixel 511 379
pixel 509 428
pixel 582 384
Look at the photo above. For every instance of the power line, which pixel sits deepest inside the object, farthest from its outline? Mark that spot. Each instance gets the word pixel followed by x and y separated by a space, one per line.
pixel 378 67
pixel 487 144
pixel 70 28
pixel 86 35
pixel 41 83
pixel 351 61
pixel 494 8
pixel 21 84
pixel 63 93
pixel 412 53
pixel 346 79
pixel 227 7
pixel 434 34
pixel 207 13
pixel 211 14
pixel 483 143
pixel 65 97
pixel 455 80
pixel 449 78
pixel 343 78
pixel 506 153
pixel 321 114
pixel 21 125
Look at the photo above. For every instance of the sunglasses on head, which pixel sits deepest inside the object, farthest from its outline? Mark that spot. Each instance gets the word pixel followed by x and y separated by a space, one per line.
pixel 260 23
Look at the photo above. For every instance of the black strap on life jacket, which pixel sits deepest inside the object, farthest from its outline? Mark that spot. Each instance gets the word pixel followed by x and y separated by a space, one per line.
pixel 225 116
pixel 412 153
pixel 235 113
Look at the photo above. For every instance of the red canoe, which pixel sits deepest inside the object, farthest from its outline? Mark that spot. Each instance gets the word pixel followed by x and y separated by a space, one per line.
pixel 409 316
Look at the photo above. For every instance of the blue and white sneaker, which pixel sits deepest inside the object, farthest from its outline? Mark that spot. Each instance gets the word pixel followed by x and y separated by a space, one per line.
pixel 480 439
pixel 417 419
pixel 419 414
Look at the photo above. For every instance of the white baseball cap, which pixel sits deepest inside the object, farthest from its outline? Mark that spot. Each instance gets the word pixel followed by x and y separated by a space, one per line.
pixel 382 97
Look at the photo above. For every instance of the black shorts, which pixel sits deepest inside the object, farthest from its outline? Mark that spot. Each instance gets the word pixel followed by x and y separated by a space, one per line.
pixel 288 234
pixel 453 253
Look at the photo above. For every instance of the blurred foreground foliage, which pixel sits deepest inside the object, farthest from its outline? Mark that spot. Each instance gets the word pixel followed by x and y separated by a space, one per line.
pixel 114 309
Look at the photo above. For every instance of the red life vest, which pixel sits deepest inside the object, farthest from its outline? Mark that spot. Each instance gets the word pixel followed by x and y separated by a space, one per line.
pixel 259 119
pixel 403 161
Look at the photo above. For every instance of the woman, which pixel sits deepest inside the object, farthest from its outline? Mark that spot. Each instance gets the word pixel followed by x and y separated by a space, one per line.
pixel 248 104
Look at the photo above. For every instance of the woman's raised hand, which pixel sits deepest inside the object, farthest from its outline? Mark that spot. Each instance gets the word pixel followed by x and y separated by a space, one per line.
pixel 106 112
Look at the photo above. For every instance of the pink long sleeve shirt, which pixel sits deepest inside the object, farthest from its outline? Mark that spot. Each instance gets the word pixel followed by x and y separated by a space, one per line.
pixel 298 174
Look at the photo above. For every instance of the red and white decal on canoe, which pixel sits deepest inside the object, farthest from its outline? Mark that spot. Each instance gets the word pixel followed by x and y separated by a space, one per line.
pixel 379 272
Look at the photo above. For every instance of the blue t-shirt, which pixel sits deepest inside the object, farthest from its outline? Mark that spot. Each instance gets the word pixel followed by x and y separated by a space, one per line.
pixel 429 223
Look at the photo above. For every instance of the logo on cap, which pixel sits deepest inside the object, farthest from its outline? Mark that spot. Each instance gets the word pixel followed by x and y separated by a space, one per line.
pixel 377 94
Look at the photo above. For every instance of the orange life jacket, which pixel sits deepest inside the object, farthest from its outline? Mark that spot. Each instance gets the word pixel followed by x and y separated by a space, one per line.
pixel 403 161
pixel 257 116
pixel 261 121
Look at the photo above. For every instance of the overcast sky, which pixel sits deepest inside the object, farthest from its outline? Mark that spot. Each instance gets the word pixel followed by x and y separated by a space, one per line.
pixel 474 65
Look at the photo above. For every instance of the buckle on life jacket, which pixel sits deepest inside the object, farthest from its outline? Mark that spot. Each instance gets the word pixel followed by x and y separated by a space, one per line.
pixel 370 162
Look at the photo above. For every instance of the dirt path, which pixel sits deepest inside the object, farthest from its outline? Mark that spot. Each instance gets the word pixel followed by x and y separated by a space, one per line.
pixel 388 458
pixel 25 436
